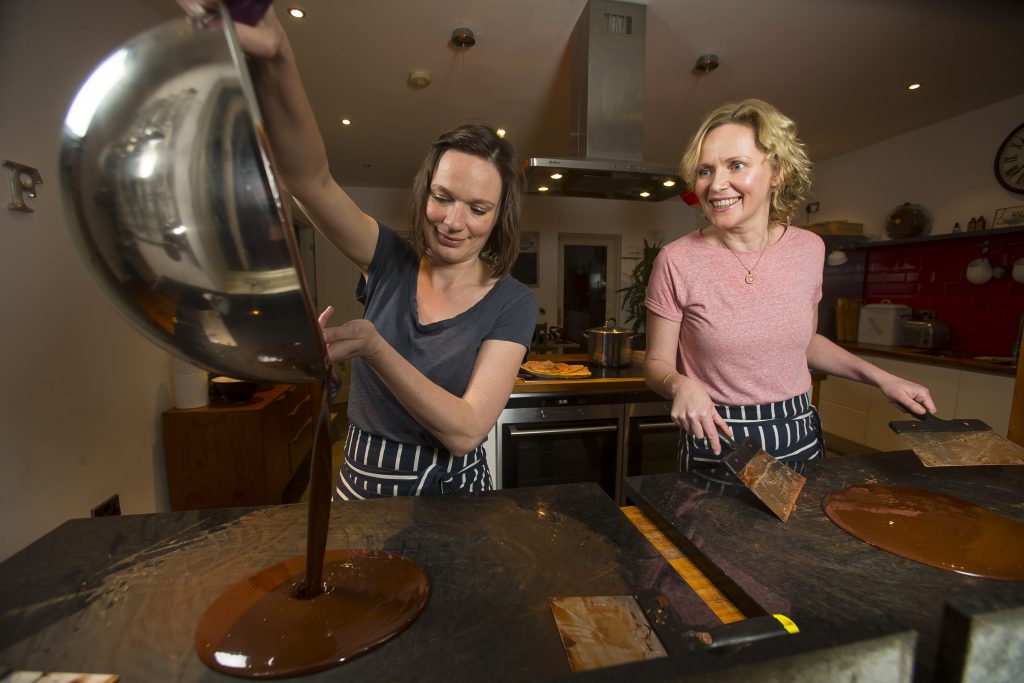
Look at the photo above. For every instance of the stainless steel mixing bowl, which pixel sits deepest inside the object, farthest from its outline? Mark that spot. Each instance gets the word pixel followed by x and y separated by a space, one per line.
pixel 173 204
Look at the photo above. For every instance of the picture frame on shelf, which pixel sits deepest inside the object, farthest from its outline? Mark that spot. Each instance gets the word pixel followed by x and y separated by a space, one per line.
pixel 1009 217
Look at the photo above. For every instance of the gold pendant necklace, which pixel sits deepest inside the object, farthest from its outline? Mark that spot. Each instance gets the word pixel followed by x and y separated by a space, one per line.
pixel 750 278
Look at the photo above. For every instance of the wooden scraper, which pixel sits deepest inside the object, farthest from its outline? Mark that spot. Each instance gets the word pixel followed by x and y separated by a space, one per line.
pixel 957 442
pixel 773 482
pixel 605 630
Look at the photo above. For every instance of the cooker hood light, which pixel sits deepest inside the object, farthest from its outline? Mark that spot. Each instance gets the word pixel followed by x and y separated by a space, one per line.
pixel 607 44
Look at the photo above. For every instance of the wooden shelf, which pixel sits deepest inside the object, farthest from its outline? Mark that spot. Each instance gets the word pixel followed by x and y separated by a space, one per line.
pixel 944 237
pixel 232 455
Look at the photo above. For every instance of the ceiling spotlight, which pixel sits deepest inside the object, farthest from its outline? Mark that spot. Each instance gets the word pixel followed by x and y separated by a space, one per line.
pixel 501 132
pixel 419 78
pixel 296 13
pixel 463 37
pixel 706 63
pixel 556 176
pixel 669 183
pixel 913 86
pixel 645 194
pixel 346 122
pixel 542 188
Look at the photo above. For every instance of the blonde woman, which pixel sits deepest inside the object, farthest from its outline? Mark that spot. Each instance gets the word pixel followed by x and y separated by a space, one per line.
pixel 733 306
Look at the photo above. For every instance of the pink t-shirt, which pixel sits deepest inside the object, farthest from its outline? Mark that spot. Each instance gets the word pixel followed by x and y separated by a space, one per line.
pixel 745 344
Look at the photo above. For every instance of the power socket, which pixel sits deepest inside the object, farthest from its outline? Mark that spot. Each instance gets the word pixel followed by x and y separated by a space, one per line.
pixel 108 508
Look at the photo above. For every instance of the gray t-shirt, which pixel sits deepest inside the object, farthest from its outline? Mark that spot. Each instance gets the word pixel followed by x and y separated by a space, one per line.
pixel 444 352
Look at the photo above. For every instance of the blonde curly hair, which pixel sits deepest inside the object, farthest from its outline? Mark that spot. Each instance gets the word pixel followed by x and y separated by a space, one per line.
pixel 776 135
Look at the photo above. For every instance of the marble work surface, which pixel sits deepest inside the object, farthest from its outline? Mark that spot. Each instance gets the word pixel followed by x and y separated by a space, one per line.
pixel 123 595
pixel 831 584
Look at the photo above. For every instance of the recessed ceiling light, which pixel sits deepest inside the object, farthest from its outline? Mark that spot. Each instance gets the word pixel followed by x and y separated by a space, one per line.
pixel 556 176
pixel 346 122
pixel 501 132
pixel 913 86
pixel 419 78
pixel 669 183
pixel 296 13
pixel 645 194
pixel 542 189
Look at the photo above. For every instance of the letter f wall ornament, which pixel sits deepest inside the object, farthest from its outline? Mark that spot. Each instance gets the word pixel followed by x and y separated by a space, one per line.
pixel 23 182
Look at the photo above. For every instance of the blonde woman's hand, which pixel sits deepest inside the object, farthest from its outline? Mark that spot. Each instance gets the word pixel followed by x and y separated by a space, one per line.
pixel 694 412
pixel 909 396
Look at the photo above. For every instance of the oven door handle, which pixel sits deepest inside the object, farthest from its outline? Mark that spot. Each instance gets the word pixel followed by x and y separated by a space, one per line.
pixel 646 426
pixel 555 431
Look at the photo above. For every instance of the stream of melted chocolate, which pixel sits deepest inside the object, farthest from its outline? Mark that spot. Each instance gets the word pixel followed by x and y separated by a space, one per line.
pixel 277 623
pixel 931 528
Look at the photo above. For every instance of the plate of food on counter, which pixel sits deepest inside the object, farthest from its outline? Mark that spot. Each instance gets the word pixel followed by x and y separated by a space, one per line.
pixel 547 369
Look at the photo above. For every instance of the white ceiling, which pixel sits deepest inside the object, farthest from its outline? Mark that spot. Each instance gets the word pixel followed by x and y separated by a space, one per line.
pixel 838 67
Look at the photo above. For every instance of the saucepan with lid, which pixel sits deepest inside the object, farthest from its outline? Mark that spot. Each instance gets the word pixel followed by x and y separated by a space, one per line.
pixel 173 204
pixel 609 346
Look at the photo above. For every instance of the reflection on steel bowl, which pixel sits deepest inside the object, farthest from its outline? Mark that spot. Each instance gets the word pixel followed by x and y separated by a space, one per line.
pixel 173 204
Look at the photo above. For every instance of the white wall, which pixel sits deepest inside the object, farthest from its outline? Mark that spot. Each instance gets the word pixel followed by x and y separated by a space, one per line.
pixel 946 167
pixel 82 391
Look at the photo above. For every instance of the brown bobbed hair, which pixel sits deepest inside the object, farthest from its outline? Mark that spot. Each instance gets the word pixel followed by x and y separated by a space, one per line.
pixel 776 135
pixel 502 246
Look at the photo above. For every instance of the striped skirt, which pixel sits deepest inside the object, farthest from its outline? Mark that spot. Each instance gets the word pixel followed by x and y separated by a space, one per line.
pixel 790 430
pixel 376 468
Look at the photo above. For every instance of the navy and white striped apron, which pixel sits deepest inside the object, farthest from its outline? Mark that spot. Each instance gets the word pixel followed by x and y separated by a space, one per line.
pixel 790 430
pixel 376 468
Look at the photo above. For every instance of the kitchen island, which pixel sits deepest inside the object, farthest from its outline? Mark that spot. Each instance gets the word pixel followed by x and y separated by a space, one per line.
pixel 123 595
pixel 832 584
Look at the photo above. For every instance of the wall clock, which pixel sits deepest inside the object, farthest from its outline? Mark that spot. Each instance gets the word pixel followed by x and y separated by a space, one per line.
pixel 1009 163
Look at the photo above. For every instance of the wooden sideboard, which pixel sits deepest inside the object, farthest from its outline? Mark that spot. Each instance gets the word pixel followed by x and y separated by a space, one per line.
pixel 234 455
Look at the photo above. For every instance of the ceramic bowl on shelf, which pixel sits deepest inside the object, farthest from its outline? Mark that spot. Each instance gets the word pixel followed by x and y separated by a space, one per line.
pixel 979 271
pixel 1018 270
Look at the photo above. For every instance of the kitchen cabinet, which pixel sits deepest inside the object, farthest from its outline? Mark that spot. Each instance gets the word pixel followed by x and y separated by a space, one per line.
pixel 843 408
pixel 229 455
pixel 861 414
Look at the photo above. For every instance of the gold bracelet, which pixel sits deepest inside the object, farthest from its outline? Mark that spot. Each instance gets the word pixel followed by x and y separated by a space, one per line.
pixel 666 378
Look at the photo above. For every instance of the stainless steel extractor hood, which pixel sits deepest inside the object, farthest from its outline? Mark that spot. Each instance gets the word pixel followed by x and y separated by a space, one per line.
pixel 607 45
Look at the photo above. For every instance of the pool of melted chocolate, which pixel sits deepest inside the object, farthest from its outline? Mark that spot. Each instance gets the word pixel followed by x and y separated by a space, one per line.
pixel 931 528
pixel 310 613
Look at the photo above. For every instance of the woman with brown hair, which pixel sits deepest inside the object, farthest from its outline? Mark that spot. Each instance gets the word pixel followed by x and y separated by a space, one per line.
pixel 445 326
pixel 733 306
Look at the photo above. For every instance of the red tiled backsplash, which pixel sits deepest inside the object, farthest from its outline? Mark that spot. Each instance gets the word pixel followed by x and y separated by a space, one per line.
pixel 983 319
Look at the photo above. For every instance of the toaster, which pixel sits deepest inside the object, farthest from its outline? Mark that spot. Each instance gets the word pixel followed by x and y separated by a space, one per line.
pixel 925 334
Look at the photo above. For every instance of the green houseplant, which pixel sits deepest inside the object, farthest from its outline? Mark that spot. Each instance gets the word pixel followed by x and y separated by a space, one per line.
pixel 635 293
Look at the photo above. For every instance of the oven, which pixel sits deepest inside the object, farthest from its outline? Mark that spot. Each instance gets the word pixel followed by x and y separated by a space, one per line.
pixel 650 437
pixel 547 439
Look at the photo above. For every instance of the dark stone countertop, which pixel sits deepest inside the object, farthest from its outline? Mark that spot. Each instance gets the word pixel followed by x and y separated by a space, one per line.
pixel 624 378
pixel 831 584
pixel 945 358
pixel 123 595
